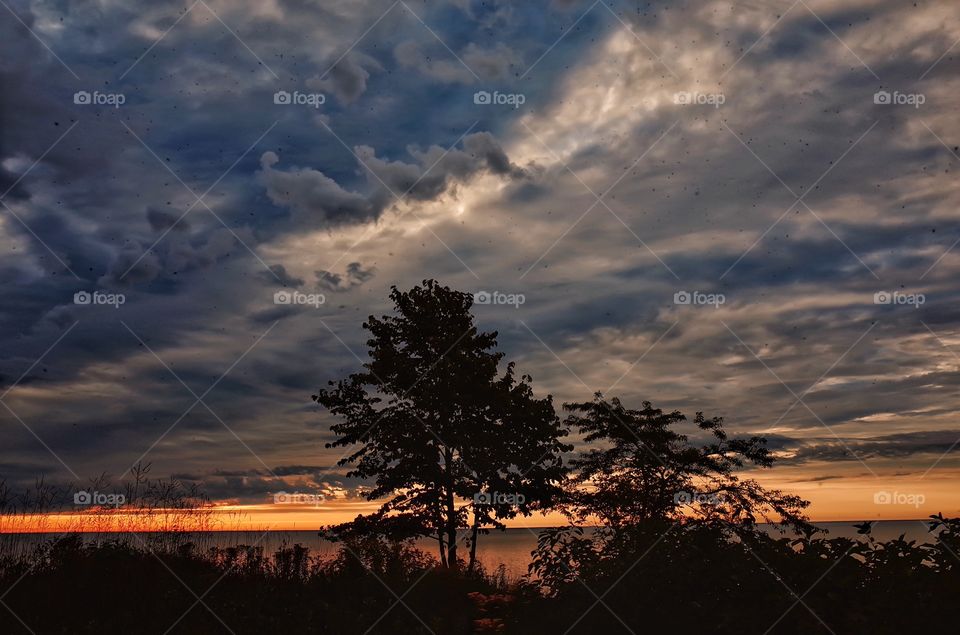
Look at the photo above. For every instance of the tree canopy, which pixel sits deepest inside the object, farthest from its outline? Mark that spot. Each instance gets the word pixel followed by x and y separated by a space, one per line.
pixel 640 467
pixel 449 441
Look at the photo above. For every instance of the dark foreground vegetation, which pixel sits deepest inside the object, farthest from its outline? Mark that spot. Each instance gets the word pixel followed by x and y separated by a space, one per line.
pixel 693 580
pixel 454 449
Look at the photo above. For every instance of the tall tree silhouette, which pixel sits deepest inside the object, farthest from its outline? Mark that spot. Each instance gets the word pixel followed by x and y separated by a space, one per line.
pixel 449 441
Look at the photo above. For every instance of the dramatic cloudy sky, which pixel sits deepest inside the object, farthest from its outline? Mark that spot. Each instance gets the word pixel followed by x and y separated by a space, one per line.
pixel 642 150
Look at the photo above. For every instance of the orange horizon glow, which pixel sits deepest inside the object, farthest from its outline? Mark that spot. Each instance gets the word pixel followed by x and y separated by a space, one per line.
pixel 838 497
pixel 279 517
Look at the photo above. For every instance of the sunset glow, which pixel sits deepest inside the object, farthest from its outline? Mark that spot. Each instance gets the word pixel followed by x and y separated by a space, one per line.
pixel 671 284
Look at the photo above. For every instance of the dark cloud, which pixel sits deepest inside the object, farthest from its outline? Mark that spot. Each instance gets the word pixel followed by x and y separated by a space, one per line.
pixel 437 168
pixel 317 198
pixel 932 444
pixel 278 274
pixel 161 221
pixel 134 265
pixel 314 196
pixel 355 275
pixel 259 485
pixel 486 64
pixel 346 79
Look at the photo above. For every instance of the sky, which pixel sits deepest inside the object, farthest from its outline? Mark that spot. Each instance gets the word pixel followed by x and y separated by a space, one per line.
pixel 747 209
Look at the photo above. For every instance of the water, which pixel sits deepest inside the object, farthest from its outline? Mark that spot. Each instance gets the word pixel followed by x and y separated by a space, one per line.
pixel 510 548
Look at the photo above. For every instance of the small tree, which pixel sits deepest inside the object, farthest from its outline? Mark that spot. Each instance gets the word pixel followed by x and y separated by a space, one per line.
pixel 641 479
pixel 646 470
pixel 438 429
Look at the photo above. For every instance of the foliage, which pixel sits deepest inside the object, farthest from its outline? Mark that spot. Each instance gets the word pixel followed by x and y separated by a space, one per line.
pixel 434 424
pixel 652 577
pixel 640 468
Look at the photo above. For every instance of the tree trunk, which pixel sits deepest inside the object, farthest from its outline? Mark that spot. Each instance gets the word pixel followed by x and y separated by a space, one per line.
pixel 451 514
pixel 473 541
pixel 443 553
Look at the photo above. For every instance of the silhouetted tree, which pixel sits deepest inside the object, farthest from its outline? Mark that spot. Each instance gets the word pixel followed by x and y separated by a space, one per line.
pixel 646 470
pixel 436 425
pixel 641 479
